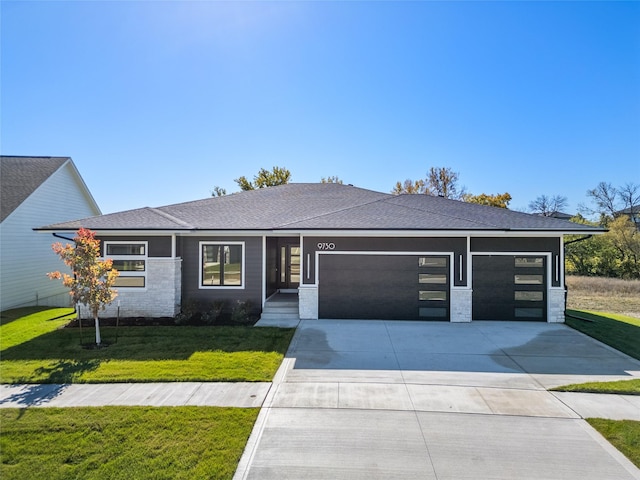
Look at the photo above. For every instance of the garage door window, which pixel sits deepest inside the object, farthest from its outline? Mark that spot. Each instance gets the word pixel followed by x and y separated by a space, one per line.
pixel 432 262
pixel 526 262
pixel 529 279
pixel 433 295
pixel 529 296
pixel 440 279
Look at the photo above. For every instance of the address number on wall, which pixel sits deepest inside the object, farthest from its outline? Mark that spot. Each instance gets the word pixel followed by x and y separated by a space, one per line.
pixel 326 246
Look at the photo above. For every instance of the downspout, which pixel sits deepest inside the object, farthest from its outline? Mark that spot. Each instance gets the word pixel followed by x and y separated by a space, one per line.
pixel 566 288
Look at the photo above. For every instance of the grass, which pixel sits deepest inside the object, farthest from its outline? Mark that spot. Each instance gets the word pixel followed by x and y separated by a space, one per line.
pixel 622 387
pixel 36 350
pixel 622 434
pixel 618 331
pixel 604 294
pixel 123 442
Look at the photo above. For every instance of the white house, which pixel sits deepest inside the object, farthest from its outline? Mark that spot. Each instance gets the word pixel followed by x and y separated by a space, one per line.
pixel 36 191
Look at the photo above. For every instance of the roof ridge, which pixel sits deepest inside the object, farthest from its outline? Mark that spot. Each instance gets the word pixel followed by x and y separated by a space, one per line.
pixel 336 211
pixel 435 212
pixel 168 216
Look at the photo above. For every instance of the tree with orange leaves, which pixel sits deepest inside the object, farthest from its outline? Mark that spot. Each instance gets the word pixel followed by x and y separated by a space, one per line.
pixel 92 280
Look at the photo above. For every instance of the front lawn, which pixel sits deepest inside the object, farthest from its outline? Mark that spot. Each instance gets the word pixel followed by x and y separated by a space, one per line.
pixel 36 350
pixel 622 387
pixel 623 434
pixel 618 331
pixel 123 442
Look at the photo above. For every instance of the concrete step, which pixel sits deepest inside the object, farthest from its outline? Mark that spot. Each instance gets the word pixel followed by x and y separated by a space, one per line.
pixel 280 309
pixel 291 304
pixel 279 316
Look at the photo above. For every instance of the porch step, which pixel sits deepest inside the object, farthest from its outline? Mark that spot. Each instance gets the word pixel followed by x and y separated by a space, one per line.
pixel 281 308
pixel 280 312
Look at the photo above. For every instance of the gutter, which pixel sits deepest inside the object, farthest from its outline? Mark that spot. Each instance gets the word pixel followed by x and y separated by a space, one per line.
pixel 577 240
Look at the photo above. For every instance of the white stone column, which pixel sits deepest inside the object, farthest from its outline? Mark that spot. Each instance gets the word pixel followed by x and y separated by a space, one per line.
pixel 460 306
pixel 556 305
pixel 308 302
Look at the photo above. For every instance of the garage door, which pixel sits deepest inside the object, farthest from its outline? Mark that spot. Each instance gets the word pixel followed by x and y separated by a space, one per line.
pixel 509 287
pixel 398 287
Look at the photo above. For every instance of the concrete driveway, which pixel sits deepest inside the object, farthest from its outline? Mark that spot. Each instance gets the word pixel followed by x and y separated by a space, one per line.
pixel 387 400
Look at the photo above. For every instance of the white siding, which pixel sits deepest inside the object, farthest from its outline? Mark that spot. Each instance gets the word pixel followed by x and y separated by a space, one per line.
pixel 25 255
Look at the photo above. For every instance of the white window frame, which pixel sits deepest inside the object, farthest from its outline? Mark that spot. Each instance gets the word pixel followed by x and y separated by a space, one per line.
pixel 221 287
pixel 144 257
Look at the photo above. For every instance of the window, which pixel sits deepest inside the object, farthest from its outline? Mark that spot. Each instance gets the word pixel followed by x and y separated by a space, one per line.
pixel 528 296
pixel 432 261
pixel 221 265
pixel 526 262
pixel 433 295
pixel 130 259
pixel 528 279
pixel 436 278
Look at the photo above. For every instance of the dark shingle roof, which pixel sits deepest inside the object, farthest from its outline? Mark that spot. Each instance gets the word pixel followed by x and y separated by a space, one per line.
pixel 21 176
pixel 318 206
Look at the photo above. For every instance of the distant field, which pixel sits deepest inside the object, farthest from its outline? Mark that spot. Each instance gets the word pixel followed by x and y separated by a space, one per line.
pixel 604 295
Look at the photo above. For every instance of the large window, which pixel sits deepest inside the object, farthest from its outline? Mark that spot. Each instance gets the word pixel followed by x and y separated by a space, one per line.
pixel 130 259
pixel 221 264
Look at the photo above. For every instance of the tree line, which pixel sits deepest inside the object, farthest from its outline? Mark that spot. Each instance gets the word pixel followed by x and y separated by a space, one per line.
pixel 613 254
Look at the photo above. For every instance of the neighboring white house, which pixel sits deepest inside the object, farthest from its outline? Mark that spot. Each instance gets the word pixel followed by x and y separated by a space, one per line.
pixel 36 191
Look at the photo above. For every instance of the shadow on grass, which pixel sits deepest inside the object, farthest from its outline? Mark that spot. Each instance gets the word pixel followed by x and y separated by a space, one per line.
pixel 145 343
pixel 622 336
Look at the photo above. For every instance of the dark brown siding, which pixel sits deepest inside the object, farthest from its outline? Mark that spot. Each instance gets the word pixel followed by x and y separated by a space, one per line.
pixel 457 245
pixel 252 290
pixel 158 246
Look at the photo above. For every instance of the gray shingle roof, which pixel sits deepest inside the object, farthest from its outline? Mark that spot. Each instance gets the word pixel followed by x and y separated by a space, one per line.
pixel 21 176
pixel 318 206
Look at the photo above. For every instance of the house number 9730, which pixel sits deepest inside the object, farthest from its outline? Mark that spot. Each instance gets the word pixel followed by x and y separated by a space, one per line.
pixel 326 246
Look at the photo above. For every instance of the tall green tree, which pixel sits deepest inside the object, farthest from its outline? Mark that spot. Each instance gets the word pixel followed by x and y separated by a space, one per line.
pixel 93 279
pixel 265 178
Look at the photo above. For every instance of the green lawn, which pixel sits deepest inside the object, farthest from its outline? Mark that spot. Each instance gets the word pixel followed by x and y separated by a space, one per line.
pixel 623 434
pixel 36 350
pixel 623 387
pixel 619 331
pixel 123 442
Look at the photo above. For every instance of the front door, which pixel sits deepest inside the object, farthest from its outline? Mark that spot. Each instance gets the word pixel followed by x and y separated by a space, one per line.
pixel 289 266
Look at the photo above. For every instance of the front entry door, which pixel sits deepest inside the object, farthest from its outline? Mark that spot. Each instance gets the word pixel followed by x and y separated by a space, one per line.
pixel 289 266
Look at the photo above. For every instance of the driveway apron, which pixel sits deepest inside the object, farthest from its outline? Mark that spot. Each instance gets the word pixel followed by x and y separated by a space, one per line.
pixel 421 400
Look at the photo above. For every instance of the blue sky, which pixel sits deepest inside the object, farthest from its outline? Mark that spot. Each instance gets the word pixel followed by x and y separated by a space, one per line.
pixel 158 102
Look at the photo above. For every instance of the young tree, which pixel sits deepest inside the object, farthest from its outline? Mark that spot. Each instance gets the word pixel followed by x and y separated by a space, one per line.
pixel 547 206
pixel 440 182
pixel 265 178
pixel 92 280
pixel 218 191
pixel 409 186
pixel 500 200
pixel 443 182
pixel 333 179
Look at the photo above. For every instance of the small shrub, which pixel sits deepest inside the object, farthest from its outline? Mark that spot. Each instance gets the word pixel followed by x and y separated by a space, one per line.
pixel 241 313
pixel 189 312
pixel 211 315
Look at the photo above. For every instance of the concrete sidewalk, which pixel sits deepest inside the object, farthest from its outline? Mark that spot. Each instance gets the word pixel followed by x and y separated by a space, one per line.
pixel 245 395
pixel 398 400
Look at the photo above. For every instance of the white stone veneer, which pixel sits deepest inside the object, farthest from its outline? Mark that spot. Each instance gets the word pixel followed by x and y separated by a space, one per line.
pixel 308 302
pixel 160 298
pixel 556 305
pixel 461 299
